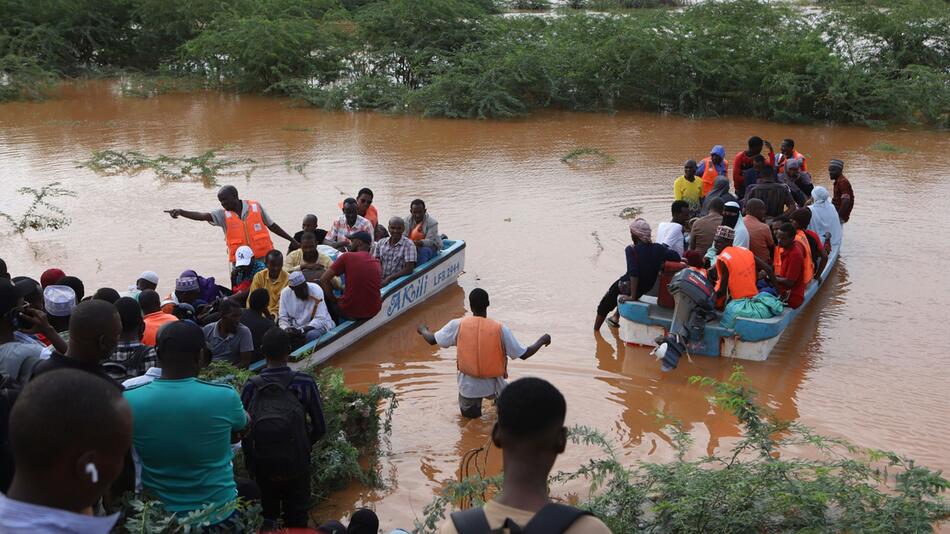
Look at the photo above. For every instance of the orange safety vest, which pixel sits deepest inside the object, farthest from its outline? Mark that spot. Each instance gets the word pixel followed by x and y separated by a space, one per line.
pixel 481 351
pixel 780 168
pixel 251 231
pixel 710 173
pixel 809 266
pixel 742 273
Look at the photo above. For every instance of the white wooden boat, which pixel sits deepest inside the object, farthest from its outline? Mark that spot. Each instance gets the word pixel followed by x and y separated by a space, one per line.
pixel 398 297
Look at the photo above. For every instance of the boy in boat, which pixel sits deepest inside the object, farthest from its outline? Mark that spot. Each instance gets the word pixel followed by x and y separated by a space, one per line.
pixel 483 348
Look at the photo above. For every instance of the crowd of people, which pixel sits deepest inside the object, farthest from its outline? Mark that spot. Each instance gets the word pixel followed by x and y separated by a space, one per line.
pixel 756 240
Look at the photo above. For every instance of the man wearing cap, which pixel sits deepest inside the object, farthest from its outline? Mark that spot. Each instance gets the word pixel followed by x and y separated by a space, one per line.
pixel 712 166
pixel 59 301
pixel 18 359
pixel 303 310
pixel 246 266
pixel 364 278
pixel 843 197
pixel 349 222
pixel 244 223
pixel 797 180
pixel 154 317
pixel 147 280
pixel 51 276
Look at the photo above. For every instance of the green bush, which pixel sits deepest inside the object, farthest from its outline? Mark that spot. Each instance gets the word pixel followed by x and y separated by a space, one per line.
pixel 753 487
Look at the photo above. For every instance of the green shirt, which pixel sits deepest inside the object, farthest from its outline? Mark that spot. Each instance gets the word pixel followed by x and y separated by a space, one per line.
pixel 182 434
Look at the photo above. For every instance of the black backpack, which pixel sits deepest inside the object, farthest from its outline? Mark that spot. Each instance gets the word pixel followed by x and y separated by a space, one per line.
pixel 552 519
pixel 277 446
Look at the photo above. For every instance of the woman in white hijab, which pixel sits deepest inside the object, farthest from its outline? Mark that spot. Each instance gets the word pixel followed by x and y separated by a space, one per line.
pixel 824 217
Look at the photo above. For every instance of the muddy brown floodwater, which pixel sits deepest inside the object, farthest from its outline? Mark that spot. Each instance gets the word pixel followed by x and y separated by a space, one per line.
pixel 868 361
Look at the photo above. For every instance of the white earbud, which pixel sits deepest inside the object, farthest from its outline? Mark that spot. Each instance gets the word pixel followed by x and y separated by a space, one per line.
pixel 92 472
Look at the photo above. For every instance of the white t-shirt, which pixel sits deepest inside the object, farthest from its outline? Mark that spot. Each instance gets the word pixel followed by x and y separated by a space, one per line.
pixel 477 388
pixel 671 235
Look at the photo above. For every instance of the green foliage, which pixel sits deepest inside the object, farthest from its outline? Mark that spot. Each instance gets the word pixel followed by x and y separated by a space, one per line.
pixel 205 167
pixel 223 372
pixel 530 5
pixel 147 515
pixel 888 147
pixel 35 218
pixel 23 78
pixel 583 154
pixel 837 487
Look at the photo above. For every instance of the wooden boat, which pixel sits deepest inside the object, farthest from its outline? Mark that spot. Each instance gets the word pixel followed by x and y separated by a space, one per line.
pixel 642 321
pixel 399 296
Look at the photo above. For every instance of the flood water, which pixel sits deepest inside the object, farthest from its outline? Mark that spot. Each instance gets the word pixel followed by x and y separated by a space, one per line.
pixel 866 362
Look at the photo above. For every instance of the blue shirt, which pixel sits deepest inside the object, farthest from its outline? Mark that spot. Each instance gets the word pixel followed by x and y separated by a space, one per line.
pixel 182 433
pixel 645 261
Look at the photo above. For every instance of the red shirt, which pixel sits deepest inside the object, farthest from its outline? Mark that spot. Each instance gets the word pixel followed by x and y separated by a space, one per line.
pixel 742 163
pixel 364 278
pixel 842 187
pixel 793 268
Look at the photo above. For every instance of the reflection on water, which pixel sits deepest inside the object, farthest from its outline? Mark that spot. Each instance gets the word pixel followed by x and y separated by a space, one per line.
pixel 865 362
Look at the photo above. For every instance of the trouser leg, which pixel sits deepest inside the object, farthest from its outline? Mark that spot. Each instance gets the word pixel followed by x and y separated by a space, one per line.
pixel 609 301
pixel 270 501
pixel 470 408
pixel 682 309
pixel 296 501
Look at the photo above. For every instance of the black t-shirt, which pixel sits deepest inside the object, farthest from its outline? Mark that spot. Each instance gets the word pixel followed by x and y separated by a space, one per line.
pixel 59 361
pixel 257 325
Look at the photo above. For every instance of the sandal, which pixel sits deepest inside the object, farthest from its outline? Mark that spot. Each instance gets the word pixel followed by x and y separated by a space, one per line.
pixel 613 323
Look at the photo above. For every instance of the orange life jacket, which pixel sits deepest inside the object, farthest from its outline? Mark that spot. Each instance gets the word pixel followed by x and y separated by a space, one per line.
pixel 710 173
pixel 480 349
pixel 780 167
pixel 417 233
pixel 742 273
pixel 809 266
pixel 251 231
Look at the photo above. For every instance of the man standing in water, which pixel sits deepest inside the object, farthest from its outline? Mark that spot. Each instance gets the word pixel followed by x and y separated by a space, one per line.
pixel 245 223
pixel 843 198
pixel 483 345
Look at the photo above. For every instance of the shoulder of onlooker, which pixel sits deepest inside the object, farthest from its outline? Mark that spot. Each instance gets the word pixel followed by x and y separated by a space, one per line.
pixel 588 524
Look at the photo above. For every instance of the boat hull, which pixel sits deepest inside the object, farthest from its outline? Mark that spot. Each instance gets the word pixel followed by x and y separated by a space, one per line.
pixel 398 297
pixel 641 322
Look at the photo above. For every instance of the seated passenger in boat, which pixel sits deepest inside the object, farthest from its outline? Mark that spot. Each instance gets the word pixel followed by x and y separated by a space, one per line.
pixel 824 218
pixel 644 261
pixel 704 228
pixel 309 224
pixel 719 190
pixel 761 241
pixel 787 153
pixel 273 279
pixel 735 273
pixel 731 217
pixel 245 267
pixel 798 181
pixel 818 256
pixel 672 234
pixel 751 175
pixel 347 223
pixel 790 275
pixel 777 196
pixel 308 260
pixel 423 231
pixel 303 310
pixel 364 276
pixel 396 253
pixel 689 188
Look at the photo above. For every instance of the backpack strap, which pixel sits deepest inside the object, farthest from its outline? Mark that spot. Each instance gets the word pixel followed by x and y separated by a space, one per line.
pixel 471 521
pixel 554 518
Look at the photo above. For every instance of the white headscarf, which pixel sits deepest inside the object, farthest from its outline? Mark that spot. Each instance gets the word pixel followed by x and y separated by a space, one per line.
pixel 824 217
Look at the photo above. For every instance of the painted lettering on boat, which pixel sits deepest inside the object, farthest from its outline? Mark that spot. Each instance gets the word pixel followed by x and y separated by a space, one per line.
pixel 421 287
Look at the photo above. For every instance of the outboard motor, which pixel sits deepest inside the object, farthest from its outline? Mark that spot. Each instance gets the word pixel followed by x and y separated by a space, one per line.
pixel 695 305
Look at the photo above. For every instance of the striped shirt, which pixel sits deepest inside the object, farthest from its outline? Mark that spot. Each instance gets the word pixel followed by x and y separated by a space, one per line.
pixel 126 350
pixel 18 516
pixel 394 257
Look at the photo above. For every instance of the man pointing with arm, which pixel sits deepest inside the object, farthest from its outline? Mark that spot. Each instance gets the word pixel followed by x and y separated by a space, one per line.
pixel 483 345
pixel 244 223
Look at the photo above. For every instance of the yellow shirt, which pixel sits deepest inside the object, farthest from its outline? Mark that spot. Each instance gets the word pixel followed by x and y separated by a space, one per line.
pixel 497 513
pixel 294 260
pixel 262 280
pixel 691 192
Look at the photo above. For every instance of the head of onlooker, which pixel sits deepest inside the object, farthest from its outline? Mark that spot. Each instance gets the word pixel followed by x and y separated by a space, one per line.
pixel 94 329
pixel 418 210
pixel 835 169
pixel 785 235
pixel 397 227
pixel 76 284
pixel 766 174
pixel 51 277
pixel 180 346
pixel 680 210
pixel 360 241
pixel 11 302
pixel 716 206
pixel 308 244
pixel 801 218
pixel 4 273
pixel 34 296
pixel 130 314
pixel 331 527
pixel 530 433
pixel 640 231
pixel 689 169
pixel 230 316
pixel 758 161
pixel 258 301
pixel 150 301
pixel 717 154
pixel 187 289
pixel 59 303
pixel 310 222
pixel 276 347
pixel 478 301
pixel 229 199
pixel 730 214
pixel 363 521
pixel 793 168
pixel 755 145
pixel 147 280
pixel 275 264
pixel 350 210
pixel 298 284
pixel 364 199
pixel 69 436
pixel 788 148
pixel 694 258
pixel 107 294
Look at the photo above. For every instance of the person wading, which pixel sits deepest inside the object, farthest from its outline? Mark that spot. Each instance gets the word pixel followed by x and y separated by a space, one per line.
pixel 843 197
pixel 245 223
pixel 483 345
